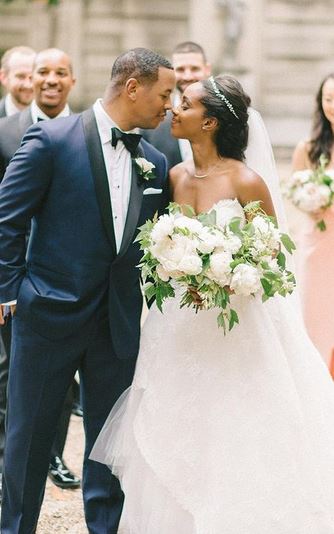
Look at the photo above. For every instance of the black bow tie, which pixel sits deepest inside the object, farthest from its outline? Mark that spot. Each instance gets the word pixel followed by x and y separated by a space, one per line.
pixel 130 141
pixel 39 119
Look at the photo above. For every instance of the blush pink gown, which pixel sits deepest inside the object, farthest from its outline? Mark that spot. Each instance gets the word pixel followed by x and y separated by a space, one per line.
pixel 316 282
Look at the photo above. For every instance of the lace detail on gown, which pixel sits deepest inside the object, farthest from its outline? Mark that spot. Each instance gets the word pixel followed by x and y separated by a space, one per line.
pixel 225 434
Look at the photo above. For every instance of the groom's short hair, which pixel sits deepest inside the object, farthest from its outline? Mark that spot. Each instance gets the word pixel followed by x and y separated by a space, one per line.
pixel 140 63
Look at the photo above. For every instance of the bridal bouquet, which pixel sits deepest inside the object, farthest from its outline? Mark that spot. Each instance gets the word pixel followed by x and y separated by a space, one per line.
pixel 211 262
pixel 312 190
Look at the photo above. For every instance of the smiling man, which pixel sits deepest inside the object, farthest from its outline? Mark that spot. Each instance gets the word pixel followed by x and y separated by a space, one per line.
pixel 49 78
pixel 15 76
pixel 52 80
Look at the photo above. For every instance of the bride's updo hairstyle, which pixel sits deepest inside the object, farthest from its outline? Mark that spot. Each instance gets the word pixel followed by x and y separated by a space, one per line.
pixel 226 100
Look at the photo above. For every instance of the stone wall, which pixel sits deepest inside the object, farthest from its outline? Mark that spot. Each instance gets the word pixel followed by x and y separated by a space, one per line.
pixel 280 49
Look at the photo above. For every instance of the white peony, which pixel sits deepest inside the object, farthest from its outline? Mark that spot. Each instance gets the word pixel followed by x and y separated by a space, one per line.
pixel 300 177
pixel 220 270
pixel 311 197
pixel 178 254
pixel 232 242
pixel 266 234
pixel 245 280
pixel 193 225
pixel 163 228
pixel 209 239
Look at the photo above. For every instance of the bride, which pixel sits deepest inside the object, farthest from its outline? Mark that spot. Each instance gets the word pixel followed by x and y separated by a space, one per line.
pixel 223 434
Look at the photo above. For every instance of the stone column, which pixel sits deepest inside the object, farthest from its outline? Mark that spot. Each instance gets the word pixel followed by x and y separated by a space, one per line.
pixel 68 37
pixel 206 28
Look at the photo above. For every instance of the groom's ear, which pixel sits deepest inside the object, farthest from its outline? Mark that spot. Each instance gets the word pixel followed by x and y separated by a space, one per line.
pixel 209 124
pixel 131 88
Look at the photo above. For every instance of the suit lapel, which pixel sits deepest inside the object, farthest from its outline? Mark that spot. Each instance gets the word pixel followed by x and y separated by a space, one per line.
pixel 25 120
pixel 99 172
pixel 135 202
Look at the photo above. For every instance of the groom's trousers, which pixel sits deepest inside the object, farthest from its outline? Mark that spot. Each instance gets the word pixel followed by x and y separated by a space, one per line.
pixel 41 372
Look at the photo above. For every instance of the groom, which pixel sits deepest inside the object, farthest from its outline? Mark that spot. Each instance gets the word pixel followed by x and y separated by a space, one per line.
pixel 77 285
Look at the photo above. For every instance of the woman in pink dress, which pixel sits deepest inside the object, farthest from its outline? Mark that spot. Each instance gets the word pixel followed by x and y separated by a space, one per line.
pixel 315 247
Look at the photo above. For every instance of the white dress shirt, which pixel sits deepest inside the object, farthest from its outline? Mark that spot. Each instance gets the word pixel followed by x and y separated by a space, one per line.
pixel 37 113
pixel 119 169
pixel 10 107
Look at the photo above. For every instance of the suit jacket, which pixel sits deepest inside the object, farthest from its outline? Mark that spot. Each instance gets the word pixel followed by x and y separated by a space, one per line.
pixel 58 178
pixel 12 129
pixel 163 140
pixel 3 107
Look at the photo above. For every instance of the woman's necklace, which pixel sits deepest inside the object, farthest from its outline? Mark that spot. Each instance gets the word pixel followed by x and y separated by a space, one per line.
pixel 207 174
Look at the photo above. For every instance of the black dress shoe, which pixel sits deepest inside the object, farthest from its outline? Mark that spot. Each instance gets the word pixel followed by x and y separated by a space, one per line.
pixel 61 476
pixel 76 409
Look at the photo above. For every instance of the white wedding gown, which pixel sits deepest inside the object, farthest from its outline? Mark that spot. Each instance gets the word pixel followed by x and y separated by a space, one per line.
pixel 225 434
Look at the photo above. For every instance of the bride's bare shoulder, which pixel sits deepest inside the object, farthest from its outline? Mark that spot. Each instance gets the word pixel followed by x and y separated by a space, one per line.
pixel 180 171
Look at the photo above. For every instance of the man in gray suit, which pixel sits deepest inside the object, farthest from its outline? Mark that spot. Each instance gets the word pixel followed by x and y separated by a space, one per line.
pixel 15 76
pixel 52 80
pixel 190 66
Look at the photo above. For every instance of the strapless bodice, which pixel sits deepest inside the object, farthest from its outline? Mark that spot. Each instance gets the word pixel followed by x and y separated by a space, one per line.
pixel 226 209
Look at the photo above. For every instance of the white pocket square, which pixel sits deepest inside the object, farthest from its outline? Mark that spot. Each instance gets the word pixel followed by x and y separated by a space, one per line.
pixel 152 191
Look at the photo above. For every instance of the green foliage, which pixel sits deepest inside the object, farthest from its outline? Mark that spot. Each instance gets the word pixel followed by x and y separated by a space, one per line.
pixel 256 249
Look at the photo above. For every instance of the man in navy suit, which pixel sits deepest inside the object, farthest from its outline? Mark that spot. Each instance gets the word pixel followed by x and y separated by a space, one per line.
pixel 77 286
pixel 190 66
pixel 52 80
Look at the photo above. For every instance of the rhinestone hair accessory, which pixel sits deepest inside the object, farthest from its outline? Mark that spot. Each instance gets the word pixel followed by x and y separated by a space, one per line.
pixel 222 97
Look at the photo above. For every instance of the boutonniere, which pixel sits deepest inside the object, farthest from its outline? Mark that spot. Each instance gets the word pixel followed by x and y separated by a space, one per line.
pixel 145 168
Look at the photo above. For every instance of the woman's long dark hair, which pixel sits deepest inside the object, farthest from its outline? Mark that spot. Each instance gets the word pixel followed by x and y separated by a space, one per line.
pixel 231 136
pixel 322 134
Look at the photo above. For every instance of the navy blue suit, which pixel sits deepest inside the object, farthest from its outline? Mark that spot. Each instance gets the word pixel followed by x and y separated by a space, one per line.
pixel 78 305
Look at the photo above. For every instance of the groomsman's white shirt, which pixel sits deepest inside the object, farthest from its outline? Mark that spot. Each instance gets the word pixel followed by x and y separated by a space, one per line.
pixel 119 169
pixel 184 144
pixel 37 113
pixel 10 106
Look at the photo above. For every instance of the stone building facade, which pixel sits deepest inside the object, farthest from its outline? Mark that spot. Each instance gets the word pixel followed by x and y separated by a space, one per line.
pixel 279 49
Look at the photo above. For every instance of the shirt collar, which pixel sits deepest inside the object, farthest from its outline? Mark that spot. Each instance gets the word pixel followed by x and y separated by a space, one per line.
pixel 10 106
pixel 105 122
pixel 37 113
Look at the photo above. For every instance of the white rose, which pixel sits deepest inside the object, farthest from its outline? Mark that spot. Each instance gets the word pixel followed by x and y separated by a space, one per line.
pixel 145 165
pixel 220 270
pixel 245 280
pixel 163 227
pixel 193 225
